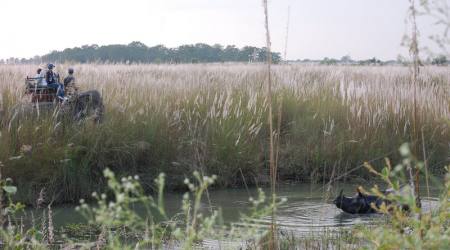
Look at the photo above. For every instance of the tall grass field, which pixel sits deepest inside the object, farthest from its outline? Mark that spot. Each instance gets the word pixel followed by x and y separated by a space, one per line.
pixel 213 118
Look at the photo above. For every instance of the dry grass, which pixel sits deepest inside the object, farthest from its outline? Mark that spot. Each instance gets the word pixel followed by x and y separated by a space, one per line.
pixel 178 118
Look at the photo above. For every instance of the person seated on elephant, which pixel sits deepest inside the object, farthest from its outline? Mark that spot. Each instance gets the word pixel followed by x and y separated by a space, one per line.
pixel 52 80
pixel 40 79
pixel 69 84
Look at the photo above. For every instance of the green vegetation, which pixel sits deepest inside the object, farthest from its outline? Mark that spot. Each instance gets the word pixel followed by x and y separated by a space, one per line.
pixel 118 225
pixel 178 119
pixel 413 229
pixel 114 223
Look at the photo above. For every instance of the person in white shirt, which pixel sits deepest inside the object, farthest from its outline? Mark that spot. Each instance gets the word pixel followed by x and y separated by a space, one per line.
pixel 40 78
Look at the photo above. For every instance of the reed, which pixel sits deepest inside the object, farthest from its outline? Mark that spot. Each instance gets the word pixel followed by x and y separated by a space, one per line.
pixel 180 118
pixel 414 51
pixel 272 161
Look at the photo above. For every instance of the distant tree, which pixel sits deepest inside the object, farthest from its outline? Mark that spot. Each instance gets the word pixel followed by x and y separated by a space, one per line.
pixel 328 61
pixel 346 59
pixel 372 61
pixel 12 60
pixel 440 60
pixel 137 44
pixel 247 54
pixel 276 57
pixel 230 53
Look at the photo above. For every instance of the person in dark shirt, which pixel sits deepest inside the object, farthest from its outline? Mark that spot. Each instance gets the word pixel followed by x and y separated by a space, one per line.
pixel 50 76
pixel 52 80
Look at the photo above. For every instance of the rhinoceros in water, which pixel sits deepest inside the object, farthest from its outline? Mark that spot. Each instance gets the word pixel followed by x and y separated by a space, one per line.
pixel 362 203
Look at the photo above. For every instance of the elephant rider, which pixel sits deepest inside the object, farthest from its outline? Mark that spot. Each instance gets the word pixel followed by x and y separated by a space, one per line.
pixel 52 80
pixel 40 79
pixel 69 84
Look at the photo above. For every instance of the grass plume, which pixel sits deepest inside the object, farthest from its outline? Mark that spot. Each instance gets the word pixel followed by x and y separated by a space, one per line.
pixel 160 118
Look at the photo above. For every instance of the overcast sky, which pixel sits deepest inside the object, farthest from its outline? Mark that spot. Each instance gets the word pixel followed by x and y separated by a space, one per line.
pixel 318 28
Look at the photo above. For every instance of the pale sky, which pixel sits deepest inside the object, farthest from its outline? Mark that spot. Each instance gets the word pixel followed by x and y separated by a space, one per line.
pixel 318 28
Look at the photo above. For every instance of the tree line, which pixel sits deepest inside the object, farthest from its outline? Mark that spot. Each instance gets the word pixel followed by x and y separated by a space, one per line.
pixel 137 52
pixel 440 60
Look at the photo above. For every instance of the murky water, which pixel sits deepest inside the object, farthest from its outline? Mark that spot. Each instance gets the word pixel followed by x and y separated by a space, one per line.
pixel 308 208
